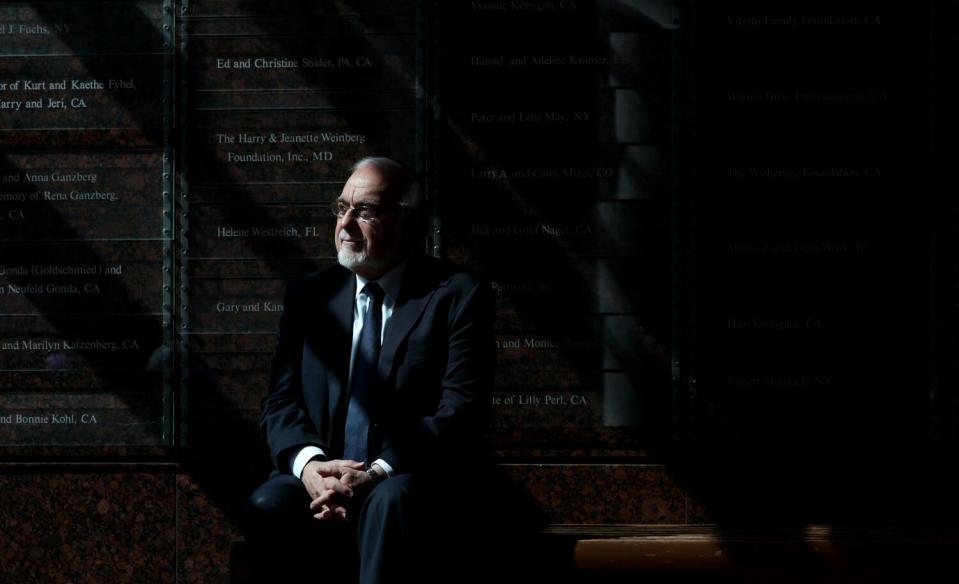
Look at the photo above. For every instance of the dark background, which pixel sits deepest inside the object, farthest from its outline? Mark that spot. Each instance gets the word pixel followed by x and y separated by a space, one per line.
pixel 721 234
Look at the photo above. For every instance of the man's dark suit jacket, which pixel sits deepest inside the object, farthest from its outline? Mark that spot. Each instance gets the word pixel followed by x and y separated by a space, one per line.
pixel 436 366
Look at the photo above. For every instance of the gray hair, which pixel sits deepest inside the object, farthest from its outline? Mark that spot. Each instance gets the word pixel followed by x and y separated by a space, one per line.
pixel 401 178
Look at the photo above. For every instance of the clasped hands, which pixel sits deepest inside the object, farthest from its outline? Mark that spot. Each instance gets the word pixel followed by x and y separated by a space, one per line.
pixel 331 484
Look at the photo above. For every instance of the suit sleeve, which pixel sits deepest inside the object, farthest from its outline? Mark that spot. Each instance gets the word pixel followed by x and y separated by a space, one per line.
pixel 462 414
pixel 284 419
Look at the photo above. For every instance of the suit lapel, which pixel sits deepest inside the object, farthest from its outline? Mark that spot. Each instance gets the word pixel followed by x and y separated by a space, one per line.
pixel 340 307
pixel 415 293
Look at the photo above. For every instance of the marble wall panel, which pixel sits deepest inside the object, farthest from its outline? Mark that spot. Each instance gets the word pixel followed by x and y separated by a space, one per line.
pixel 56 418
pixel 325 24
pixel 286 268
pixel 68 222
pixel 533 117
pixel 92 278
pixel 229 380
pixel 66 342
pixel 293 146
pixel 48 94
pixel 381 62
pixel 55 28
pixel 225 343
pixel 546 360
pixel 301 8
pixel 236 305
pixel 245 232
pixel 114 380
pixel 64 71
pixel 46 182
pixel 302 192
pixel 526 175
pixel 315 99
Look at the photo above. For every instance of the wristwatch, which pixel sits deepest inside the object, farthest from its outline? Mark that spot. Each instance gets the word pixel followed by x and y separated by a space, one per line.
pixel 375 476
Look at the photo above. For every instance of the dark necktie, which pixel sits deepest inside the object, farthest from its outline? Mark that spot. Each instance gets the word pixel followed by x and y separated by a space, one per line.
pixel 363 381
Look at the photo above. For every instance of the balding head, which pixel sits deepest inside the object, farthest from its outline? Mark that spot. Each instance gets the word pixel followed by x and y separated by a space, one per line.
pixel 378 225
pixel 401 179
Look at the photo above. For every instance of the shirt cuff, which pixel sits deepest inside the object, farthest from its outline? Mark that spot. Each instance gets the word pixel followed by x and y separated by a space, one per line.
pixel 304 457
pixel 384 465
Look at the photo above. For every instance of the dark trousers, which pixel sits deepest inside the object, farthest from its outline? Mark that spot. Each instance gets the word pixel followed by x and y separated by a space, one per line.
pixel 407 529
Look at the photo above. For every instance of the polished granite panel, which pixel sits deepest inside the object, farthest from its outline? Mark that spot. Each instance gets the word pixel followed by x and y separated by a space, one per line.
pixel 600 493
pixel 697 512
pixel 205 535
pixel 64 525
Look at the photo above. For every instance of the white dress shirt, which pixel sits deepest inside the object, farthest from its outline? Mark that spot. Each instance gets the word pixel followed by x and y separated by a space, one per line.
pixel 390 282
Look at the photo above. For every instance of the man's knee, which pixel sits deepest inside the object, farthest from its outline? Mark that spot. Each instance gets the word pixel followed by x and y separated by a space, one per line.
pixel 278 501
pixel 262 503
pixel 392 491
pixel 390 498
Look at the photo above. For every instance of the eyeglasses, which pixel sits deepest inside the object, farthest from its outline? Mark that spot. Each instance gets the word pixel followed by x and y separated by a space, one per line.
pixel 365 212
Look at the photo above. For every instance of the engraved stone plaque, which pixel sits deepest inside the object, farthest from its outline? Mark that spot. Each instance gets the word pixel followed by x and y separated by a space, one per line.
pixel 86 224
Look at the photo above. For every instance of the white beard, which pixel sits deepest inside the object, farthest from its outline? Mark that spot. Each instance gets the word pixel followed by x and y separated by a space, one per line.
pixel 350 259
pixel 353 260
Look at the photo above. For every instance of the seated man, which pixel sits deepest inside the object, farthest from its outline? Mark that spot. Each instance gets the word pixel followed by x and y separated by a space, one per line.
pixel 379 396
